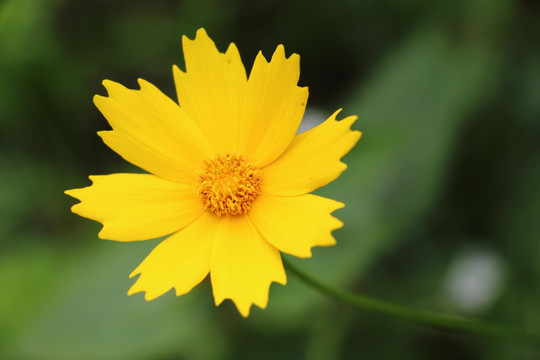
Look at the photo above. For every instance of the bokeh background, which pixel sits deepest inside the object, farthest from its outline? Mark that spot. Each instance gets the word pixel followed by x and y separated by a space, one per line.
pixel 442 191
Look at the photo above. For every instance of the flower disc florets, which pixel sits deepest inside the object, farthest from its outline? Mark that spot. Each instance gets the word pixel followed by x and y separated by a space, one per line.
pixel 228 185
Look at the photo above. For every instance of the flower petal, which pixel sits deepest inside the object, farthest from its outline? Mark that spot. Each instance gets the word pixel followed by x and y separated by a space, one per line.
pixel 151 131
pixel 181 261
pixel 243 265
pixel 273 107
pixel 312 159
pixel 294 224
pixel 137 206
pixel 212 89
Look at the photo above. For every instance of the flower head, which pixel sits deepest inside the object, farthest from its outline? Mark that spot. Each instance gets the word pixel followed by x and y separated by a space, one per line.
pixel 229 179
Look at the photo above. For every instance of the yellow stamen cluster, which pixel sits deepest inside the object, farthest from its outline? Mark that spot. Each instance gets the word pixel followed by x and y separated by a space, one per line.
pixel 228 185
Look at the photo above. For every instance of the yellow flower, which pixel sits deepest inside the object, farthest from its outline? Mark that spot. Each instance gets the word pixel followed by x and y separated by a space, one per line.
pixel 229 179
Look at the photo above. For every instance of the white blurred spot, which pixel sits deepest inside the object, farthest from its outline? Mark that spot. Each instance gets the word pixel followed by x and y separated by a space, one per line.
pixel 474 279
pixel 312 117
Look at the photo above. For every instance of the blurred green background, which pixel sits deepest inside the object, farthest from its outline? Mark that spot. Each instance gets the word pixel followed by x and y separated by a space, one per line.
pixel 442 191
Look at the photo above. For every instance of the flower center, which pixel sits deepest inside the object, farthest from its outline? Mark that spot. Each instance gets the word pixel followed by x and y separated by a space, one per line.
pixel 228 185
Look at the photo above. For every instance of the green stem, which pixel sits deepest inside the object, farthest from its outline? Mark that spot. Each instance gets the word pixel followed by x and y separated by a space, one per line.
pixel 425 317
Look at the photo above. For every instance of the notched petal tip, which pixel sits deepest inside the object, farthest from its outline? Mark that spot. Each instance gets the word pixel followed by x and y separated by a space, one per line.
pixel 245 314
pixel 149 294
pixel 294 58
pixel 103 133
pixel 232 49
pixel 243 306
pixel 338 224
pixel 131 291
pixel 280 51
pixel 348 121
pixel 304 255
pixel 201 32
pixel 98 100
pixel 114 90
pixel 143 84
pixel 134 273
pixel 71 192
pixel 150 297
pixel 106 83
pixel 351 118
pixel 180 291
pixel 279 55
pixel 243 309
pixel 177 71
pixel 112 86
pixel 106 233
pixel 135 289
pixel 336 113
pixel 103 234
pixel 200 35
pixel 260 57
pixel 337 204
pixel 77 193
